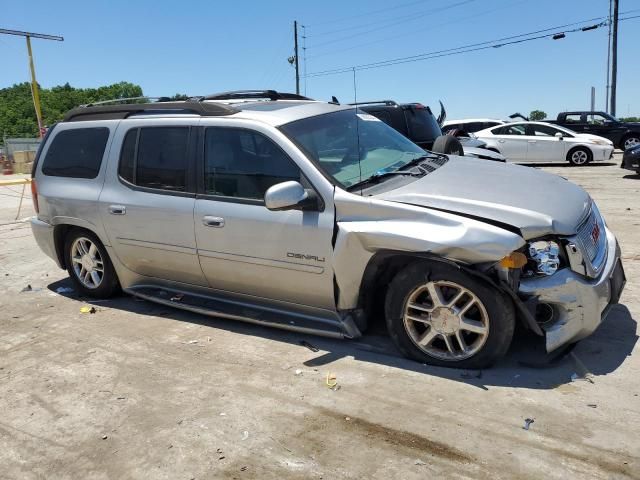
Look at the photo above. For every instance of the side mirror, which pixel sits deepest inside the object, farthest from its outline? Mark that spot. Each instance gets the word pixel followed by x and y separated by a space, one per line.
pixel 290 196
pixel 559 135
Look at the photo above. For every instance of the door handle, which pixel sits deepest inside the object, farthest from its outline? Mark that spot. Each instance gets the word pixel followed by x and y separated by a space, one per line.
pixel 209 221
pixel 501 141
pixel 117 209
pixel 532 141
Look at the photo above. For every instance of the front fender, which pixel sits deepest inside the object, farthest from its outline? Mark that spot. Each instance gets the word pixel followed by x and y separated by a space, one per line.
pixel 366 226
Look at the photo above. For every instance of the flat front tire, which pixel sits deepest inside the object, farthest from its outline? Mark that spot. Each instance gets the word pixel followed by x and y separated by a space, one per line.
pixel 89 265
pixel 441 315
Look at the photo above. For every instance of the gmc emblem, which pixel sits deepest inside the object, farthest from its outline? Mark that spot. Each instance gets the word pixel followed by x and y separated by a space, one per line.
pixel 595 232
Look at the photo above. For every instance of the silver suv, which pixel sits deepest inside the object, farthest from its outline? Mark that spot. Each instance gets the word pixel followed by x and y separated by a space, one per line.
pixel 315 217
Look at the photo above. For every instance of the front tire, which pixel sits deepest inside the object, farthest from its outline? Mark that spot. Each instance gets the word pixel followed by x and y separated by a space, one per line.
pixel 89 265
pixel 440 315
pixel 630 142
pixel 579 156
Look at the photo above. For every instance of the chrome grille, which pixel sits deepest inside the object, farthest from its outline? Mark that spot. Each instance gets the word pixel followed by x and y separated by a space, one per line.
pixel 592 239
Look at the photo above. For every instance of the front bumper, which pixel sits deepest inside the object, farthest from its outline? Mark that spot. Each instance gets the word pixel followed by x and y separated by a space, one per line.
pixel 43 233
pixel 580 303
pixel 630 161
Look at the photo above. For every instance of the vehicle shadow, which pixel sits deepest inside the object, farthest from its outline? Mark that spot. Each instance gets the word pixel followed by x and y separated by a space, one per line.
pixel 526 365
pixel 568 165
pixel 633 176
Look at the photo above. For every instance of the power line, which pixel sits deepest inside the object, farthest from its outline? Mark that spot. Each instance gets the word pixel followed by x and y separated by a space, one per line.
pixel 470 48
pixel 369 13
pixel 414 31
pixel 393 23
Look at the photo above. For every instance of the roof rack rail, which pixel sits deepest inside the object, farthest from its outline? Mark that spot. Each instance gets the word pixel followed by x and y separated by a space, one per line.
pixel 127 99
pixel 111 112
pixel 389 103
pixel 252 94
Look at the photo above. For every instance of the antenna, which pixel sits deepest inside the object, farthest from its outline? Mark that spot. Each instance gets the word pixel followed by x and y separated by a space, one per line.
pixel 355 112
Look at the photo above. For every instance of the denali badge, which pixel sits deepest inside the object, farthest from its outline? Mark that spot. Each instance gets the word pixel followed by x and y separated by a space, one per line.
pixel 302 256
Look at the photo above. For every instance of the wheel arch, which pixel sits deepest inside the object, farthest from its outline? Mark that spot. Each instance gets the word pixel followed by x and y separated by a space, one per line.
pixel 62 228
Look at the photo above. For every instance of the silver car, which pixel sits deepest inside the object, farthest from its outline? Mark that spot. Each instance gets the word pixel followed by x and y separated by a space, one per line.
pixel 319 218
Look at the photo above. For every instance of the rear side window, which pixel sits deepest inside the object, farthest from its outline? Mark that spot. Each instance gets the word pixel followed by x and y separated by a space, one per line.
pixel 244 164
pixel 76 153
pixel 155 158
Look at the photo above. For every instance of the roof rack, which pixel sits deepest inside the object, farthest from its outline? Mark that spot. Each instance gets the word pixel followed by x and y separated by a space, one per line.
pixel 389 103
pixel 127 99
pixel 111 112
pixel 252 94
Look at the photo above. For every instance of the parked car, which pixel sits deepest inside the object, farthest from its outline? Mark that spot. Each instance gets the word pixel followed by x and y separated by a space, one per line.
pixel 631 159
pixel 418 123
pixel 470 125
pixel 624 135
pixel 541 142
pixel 315 217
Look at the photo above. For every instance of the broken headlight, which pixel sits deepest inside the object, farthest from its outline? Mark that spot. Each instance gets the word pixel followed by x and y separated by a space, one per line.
pixel 544 258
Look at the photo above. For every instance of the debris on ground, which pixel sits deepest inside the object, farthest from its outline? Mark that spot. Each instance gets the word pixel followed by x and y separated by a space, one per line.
pixel 64 290
pixel 592 405
pixel 28 288
pixel 420 462
pixel 472 374
pixel 104 437
pixel 527 423
pixel 332 381
pixel 177 297
pixel 313 348
pixel 88 310
pixel 298 372
pixel 588 377
pixel 245 435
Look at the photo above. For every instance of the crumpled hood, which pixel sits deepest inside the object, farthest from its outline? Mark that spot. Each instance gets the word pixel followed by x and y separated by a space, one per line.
pixel 536 202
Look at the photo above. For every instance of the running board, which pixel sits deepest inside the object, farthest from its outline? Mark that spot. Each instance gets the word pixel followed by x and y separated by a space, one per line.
pixel 231 309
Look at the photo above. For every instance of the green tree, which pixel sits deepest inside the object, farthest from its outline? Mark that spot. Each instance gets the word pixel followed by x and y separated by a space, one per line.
pixel 537 115
pixel 18 117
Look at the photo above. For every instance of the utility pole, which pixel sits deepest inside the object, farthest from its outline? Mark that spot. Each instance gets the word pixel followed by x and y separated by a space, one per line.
pixel 593 99
pixel 34 84
pixel 295 43
pixel 606 102
pixel 614 59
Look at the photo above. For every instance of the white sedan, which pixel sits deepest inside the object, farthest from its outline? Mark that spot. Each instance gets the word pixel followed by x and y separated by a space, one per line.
pixel 542 142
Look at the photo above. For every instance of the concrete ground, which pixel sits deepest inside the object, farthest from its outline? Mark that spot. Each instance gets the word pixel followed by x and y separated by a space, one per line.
pixel 138 390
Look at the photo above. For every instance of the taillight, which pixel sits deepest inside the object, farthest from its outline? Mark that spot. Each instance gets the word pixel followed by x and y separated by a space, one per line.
pixel 34 195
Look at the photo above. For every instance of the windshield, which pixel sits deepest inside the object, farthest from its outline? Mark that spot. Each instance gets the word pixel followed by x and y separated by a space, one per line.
pixel 350 146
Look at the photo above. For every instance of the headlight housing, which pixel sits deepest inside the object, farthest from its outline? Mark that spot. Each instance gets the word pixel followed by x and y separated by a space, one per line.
pixel 544 258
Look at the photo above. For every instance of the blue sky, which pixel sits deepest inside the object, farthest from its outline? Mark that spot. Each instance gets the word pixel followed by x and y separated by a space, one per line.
pixel 199 47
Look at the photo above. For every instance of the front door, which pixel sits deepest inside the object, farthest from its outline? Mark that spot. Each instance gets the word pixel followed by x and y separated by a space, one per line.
pixel 247 249
pixel 147 203
pixel 543 145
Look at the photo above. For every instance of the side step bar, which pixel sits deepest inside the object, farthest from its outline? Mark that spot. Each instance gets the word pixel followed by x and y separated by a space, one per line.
pixel 230 309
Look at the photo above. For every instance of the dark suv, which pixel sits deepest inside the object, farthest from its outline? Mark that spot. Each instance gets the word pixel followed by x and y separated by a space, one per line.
pixel 418 123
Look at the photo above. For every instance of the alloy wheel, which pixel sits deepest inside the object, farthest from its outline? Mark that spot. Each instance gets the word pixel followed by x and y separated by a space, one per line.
pixel 631 142
pixel 579 157
pixel 87 262
pixel 446 321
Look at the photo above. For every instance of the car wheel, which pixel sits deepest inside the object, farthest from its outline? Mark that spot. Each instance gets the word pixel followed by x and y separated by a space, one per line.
pixel 579 156
pixel 448 144
pixel 89 265
pixel 440 315
pixel 631 142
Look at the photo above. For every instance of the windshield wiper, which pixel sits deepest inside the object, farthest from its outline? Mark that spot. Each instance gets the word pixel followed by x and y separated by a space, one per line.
pixel 376 177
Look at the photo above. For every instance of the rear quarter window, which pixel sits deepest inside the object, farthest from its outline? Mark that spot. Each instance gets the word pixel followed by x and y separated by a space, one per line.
pixel 76 153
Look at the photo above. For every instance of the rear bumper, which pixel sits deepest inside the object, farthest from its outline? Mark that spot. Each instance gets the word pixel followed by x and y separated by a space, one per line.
pixel 43 233
pixel 580 303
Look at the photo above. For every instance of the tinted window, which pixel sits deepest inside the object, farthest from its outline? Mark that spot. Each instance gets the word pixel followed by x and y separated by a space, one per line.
pixel 244 164
pixel 155 158
pixel 597 119
pixel 542 130
pixel 76 153
pixel 489 125
pixel 512 130
pixel 423 126
pixel 382 115
pixel 573 118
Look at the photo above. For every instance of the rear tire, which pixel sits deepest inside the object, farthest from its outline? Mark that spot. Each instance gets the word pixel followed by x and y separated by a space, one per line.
pixel 579 156
pixel 448 145
pixel 89 265
pixel 477 321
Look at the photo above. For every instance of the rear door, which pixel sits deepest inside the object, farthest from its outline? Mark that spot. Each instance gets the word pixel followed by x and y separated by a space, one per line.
pixel 148 199
pixel 244 248
pixel 543 145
